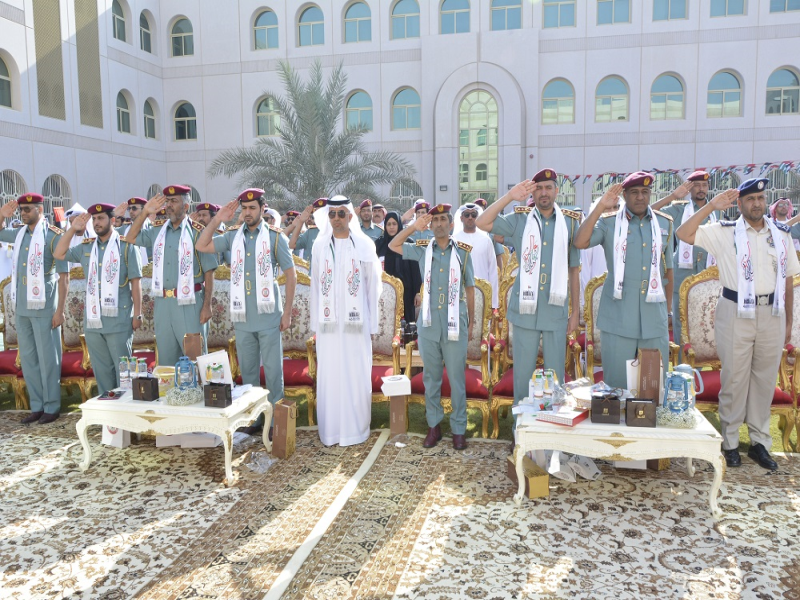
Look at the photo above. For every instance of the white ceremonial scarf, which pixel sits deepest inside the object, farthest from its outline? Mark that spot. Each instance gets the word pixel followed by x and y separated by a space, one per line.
pixel 328 313
pixel 531 262
pixel 265 300
pixel 185 264
pixel 655 291
pixel 685 251
pixel 102 292
pixel 453 288
pixel 35 269
pixel 747 280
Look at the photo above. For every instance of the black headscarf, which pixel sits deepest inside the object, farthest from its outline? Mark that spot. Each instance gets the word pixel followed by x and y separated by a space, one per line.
pixel 394 264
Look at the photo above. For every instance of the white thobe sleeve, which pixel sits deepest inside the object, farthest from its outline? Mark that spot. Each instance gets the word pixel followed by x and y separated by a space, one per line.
pixel 313 298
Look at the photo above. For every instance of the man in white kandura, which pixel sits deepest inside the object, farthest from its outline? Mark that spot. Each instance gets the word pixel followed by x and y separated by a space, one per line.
pixel 345 290
pixel 484 260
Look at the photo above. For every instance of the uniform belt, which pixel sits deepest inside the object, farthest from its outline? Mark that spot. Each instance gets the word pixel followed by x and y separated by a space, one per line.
pixel 760 300
pixel 174 293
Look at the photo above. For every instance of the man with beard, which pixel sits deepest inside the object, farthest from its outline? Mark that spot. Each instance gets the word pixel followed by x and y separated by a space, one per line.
pixel 38 289
pixel 369 229
pixel 781 212
pixel 204 213
pixel 378 215
pixel 133 207
pixel 82 231
pixel 183 278
pixel 482 253
pixel 753 318
pixel 113 292
pixel 302 243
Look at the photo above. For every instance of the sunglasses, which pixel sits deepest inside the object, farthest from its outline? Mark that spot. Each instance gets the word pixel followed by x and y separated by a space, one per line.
pixel 338 213
pixel 269 218
pixel 470 215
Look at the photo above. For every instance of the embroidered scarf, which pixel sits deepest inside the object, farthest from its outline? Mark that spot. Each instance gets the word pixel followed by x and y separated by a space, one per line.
pixel 35 270
pixel 747 280
pixel 531 262
pixel 655 291
pixel 685 251
pixel 453 290
pixel 185 264
pixel 265 300
pixel 354 290
pixel 102 289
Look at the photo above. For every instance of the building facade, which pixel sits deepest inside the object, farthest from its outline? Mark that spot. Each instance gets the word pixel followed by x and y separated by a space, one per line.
pixel 107 99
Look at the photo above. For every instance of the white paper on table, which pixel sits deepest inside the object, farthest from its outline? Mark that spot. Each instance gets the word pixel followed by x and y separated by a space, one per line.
pixel 238 391
pixel 218 358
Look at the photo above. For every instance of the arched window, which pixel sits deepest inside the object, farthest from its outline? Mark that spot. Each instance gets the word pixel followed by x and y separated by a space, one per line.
pixel 56 192
pixel 123 114
pixel 406 110
pixel 663 185
pixel 5 85
pixel 182 38
pixel 405 20
pixel 195 195
pixel 153 190
pixel 149 121
pixel 268 119
pixel 454 16
pixel 558 102
pixel 118 21
pixel 359 111
pixel 12 186
pixel 506 14
pixel 566 191
pixel 405 193
pixel 145 38
pixel 611 101
pixel 783 93
pixel 358 23
pixel 311 27
pixel 666 98
pixel 185 122
pixel 603 182
pixel 265 31
pixel 724 96
pixel 478 147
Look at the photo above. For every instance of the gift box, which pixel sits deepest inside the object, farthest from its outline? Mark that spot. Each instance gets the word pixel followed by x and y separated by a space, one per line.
pixel 192 345
pixel 116 437
pixel 605 409
pixel 217 395
pixel 398 413
pixel 640 412
pixel 650 374
pixel 283 431
pixel 537 481
pixel 145 388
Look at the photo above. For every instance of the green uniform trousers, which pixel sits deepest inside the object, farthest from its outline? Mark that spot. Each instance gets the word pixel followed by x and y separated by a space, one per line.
pixel 617 349
pixel 452 355
pixel 40 357
pixel 261 348
pixel 526 352
pixel 105 350
pixel 173 321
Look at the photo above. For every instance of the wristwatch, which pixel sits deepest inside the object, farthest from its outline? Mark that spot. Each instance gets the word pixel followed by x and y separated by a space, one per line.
pixel 139 318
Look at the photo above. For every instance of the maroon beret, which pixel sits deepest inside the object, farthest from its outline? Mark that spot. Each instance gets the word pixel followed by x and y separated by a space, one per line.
pixel 545 175
pixel 420 205
pixel 30 199
pixel 698 176
pixel 481 202
pixel 136 200
pixel 250 194
pixel 638 179
pixel 96 209
pixel 320 203
pixel 440 209
pixel 177 190
pixel 365 204
pixel 292 213
pixel 207 206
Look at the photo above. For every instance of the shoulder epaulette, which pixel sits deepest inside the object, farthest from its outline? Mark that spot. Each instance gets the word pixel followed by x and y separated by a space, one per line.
pixel 661 214
pixel 197 226
pixel 55 229
pixel 90 240
pixel 464 246
pixel 311 227
pixel 727 223
pixel 523 209
pixel 571 213
pixel 423 242
pixel 275 229
pixel 609 213
pixel 783 227
pixel 159 222
pixel 233 227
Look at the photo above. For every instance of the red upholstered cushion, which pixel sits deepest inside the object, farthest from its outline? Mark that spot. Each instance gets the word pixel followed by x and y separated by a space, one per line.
pixel 295 373
pixel 7 359
pixel 71 364
pixel 581 339
pixel 474 383
pixel 377 373
pixel 505 387
pixel 711 381
pixel 598 377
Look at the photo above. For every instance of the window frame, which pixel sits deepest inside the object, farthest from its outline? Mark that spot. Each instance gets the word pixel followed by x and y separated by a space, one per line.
pixel 559 4
pixel 145 31
pixel 613 13
pixel 359 110
pixel 405 108
pixel 724 92
pixel 148 119
pixel 785 8
pixel 12 185
pixel 611 97
pixel 504 9
pixel 669 11
pixel 358 21
pixel 666 96
pixel 454 13
pixel 123 114
pixel 8 79
pixel 61 199
pixel 266 29
pixel 783 89
pixel 558 100
pixel 727 10
pixel 269 116
pixel 310 25
pixel 118 20
pixel 182 37
pixel 405 17
pixel 186 121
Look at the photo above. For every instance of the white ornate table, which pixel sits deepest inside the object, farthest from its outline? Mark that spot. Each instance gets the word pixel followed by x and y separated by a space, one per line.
pixel 161 419
pixel 619 442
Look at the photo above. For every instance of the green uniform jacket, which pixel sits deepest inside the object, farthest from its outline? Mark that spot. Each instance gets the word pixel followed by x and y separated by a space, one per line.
pixel 305 242
pixel 203 262
pixel 373 232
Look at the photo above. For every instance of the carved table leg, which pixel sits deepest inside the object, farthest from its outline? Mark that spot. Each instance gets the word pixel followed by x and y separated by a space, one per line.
pixel 81 427
pixel 689 467
pixel 265 432
pixel 719 471
pixel 519 454
pixel 227 442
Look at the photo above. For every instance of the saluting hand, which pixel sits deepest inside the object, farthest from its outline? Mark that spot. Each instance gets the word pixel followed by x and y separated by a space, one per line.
pixel 522 191
pixel 422 222
pixel 683 189
pixel 8 209
pixel 725 200
pixel 226 213
pixel 121 210
pixel 610 198
pixel 82 220
pixel 155 204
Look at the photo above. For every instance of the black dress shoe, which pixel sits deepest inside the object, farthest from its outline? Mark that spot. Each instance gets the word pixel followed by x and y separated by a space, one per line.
pixel 433 437
pixel 761 455
pixel 459 442
pixel 732 458
pixel 32 418
pixel 250 429
pixel 48 418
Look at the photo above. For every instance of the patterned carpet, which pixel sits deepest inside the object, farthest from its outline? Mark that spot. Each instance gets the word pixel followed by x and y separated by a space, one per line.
pixel 157 523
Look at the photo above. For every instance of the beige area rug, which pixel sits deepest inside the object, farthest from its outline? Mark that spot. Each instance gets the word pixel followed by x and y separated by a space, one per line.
pixel 441 525
pixel 153 522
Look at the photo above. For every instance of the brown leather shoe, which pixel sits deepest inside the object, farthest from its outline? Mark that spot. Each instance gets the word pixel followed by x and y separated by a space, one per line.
pixel 32 418
pixel 459 442
pixel 433 437
pixel 48 418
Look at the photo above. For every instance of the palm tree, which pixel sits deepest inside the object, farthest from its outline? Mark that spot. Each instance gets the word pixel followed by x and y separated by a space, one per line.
pixel 312 157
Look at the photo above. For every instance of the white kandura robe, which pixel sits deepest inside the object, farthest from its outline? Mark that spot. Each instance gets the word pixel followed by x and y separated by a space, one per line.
pixel 344 359
pixel 484 260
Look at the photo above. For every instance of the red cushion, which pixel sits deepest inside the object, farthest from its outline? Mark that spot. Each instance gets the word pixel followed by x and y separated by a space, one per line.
pixel 71 364
pixel 505 387
pixel 671 339
pixel 598 377
pixel 295 373
pixel 7 360
pixel 474 383
pixel 378 372
pixel 581 339
pixel 711 381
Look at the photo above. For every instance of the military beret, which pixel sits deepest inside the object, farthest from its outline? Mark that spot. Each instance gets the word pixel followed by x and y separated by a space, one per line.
pixel 30 199
pixel 96 209
pixel 292 213
pixel 250 194
pixel 136 201
pixel 638 179
pixel 365 204
pixel 753 186
pixel 177 190
pixel 481 202
pixel 545 175
pixel 420 205
pixel 440 209
pixel 698 176
pixel 319 203
pixel 207 206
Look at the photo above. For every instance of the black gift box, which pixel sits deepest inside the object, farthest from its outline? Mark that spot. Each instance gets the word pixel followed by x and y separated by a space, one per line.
pixel 145 388
pixel 217 395
pixel 605 409
pixel 640 413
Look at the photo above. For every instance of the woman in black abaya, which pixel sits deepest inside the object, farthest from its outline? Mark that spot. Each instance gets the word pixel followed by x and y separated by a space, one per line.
pixel 406 271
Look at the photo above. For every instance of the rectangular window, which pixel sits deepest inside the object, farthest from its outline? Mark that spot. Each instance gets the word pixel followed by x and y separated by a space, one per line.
pixel 405 27
pixel 559 13
pixel 5 92
pixel 123 121
pixel 727 8
pixel 669 10
pixel 463 137
pixel 414 120
pixel 783 5
pixel 399 118
pixel 149 127
pixel 723 104
pixel 613 11
pixel 145 40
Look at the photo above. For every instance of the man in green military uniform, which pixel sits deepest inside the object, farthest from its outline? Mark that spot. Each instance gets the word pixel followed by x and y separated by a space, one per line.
pixel 39 290
pixel 369 228
pixel 257 251
pixel 421 208
pixel 183 278
pixel 113 292
pixel 634 303
pixel 133 207
pixel 447 316
pixel 549 274
pixel 303 241
pixel 690 259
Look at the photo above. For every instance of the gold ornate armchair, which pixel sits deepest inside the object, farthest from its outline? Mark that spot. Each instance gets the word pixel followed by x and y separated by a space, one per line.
pixel 301 266
pixel 478 382
pixel 10 369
